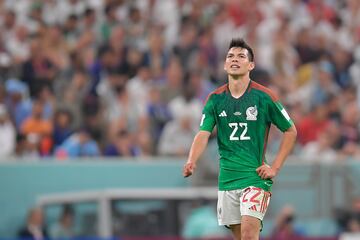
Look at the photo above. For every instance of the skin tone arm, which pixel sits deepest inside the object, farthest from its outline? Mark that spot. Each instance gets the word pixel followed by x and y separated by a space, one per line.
pixel 287 143
pixel 197 148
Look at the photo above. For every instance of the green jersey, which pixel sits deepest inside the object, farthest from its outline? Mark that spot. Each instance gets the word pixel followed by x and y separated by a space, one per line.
pixel 242 130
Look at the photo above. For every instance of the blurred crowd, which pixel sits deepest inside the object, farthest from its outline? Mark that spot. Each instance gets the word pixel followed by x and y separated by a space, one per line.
pixel 129 77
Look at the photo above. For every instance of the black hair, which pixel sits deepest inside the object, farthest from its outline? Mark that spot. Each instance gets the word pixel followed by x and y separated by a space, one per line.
pixel 109 7
pixel 67 209
pixel 88 12
pixel 72 17
pixel 240 43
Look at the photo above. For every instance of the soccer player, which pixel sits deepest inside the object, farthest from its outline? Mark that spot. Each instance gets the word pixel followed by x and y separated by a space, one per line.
pixel 243 112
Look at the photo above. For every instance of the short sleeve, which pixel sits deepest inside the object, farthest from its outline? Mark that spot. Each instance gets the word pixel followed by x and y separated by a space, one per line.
pixel 207 122
pixel 279 117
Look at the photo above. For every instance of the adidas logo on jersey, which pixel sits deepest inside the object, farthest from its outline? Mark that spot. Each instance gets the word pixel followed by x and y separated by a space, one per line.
pixel 253 208
pixel 223 114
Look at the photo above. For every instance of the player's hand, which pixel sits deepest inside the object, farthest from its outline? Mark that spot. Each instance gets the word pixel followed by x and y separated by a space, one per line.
pixel 188 169
pixel 266 172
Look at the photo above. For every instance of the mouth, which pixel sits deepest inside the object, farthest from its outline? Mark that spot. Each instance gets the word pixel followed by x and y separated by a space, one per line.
pixel 234 66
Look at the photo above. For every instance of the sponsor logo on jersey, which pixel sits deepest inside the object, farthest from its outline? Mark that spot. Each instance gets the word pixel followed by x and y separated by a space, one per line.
pixel 251 113
pixel 223 114
pixel 237 113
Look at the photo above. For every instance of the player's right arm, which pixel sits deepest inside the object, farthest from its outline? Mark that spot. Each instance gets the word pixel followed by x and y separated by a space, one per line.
pixel 201 139
pixel 197 148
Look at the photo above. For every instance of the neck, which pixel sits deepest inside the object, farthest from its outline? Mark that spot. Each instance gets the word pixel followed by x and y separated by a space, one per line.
pixel 237 86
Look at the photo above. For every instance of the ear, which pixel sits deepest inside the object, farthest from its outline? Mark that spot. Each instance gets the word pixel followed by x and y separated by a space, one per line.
pixel 224 67
pixel 251 66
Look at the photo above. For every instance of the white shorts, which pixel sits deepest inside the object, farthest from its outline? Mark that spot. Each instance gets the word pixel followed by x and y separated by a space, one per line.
pixel 251 201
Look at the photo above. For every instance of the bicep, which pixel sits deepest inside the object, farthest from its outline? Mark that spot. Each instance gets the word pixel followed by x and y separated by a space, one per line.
pixel 279 117
pixel 208 121
pixel 292 130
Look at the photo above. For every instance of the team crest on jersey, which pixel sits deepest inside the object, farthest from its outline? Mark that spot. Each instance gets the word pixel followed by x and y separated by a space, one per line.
pixel 251 113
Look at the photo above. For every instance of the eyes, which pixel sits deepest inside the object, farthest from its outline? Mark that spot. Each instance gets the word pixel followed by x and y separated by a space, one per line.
pixel 240 55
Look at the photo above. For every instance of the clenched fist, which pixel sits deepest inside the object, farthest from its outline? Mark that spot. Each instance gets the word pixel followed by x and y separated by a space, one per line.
pixel 188 169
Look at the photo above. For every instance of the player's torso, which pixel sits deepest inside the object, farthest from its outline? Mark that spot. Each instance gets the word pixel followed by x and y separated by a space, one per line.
pixel 242 125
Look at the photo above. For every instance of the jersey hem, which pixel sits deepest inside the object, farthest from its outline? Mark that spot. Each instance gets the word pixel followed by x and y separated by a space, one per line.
pixel 239 188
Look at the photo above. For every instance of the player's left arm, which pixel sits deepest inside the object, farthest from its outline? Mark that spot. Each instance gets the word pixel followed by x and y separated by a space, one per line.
pixel 287 144
pixel 280 118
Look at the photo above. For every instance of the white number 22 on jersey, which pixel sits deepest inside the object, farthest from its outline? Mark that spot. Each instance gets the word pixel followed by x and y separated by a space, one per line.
pixel 235 128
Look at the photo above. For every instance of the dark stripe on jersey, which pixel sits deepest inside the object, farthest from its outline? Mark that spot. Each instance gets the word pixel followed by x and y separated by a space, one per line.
pixel 265 143
pixel 266 90
pixel 219 90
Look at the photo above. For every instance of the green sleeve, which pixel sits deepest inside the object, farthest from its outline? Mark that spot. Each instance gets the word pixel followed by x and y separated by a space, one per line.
pixel 208 118
pixel 279 117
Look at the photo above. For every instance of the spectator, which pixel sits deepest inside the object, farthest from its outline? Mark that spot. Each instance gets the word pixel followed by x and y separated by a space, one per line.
pixel 70 31
pixel 55 47
pixel 27 147
pixel 18 45
pixel 348 219
pixel 159 114
pixel 79 144
pixel 136 28
pixel 181 127
pixel 139 86
pixel 8 25
pixel 124 108
pixel 39 68
pixel 76 46
pixel 121 146
pixel 323 148
pixel 172 83
pixel 62 126
pixel 89 20
pixel 187 45
pixel 200 84
pixel 37 125
pixel 350 135
pixel 7 135
pixel 186 103
pixel 46 96
pixel 285 228
pixel 17 102
pixel 20 145
pixel 312 125
pixel 74 94
pixel 34 228
pixel 157 57
pixel 110 20
pixel 64 228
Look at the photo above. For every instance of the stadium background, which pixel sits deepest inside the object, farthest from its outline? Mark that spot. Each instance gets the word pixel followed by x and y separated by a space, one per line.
pixel 100 100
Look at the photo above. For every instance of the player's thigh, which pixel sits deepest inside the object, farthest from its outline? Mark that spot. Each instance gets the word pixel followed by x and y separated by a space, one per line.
pixel 250 228
pixel 254 202
pixel 236 231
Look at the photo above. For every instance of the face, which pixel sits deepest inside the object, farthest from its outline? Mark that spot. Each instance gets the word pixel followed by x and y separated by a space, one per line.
pixel 36 217
pixel 237 62
pixel 37 109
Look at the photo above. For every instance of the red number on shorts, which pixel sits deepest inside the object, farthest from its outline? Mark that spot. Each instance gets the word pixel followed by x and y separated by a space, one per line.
pixel 246 193
pixel 253 198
